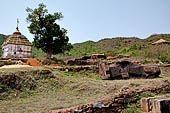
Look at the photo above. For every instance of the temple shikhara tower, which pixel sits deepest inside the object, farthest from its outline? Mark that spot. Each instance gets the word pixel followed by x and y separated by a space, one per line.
pixel 17 46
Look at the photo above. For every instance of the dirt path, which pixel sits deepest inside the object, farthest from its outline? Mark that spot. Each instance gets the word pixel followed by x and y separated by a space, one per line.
pixel 14 66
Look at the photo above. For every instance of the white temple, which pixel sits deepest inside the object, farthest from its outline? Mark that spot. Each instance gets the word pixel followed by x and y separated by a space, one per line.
pixel 17 46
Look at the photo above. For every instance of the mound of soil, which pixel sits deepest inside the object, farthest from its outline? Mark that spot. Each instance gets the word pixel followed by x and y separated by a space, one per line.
pixel 33 62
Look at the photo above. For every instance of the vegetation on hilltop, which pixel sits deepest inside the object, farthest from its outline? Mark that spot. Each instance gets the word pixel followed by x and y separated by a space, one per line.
pixel 156 37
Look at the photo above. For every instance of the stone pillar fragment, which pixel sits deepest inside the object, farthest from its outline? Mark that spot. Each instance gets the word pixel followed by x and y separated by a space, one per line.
pixel 161 106
pixel 146 104
pixel 155 105
pixel 104 71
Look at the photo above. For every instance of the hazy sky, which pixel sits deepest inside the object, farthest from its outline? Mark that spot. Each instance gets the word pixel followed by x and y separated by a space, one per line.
pixel 93 19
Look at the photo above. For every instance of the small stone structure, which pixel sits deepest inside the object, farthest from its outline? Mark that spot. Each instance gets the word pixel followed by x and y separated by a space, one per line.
pixel 126 69
pixel 17 46
pixel 150 104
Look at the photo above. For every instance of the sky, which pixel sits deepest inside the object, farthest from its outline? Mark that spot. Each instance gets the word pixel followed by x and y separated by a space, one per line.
pixel 93 19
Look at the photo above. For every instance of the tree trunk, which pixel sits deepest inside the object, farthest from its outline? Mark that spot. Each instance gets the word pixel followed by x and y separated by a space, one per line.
pixel 49 54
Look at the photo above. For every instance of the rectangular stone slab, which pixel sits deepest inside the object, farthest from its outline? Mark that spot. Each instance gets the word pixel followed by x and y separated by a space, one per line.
pixel 161 106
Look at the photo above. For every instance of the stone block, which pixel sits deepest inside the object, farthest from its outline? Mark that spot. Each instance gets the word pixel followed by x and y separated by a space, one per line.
pixel 155 105
pixel 145 104
pixel 161 106
pixel 104 71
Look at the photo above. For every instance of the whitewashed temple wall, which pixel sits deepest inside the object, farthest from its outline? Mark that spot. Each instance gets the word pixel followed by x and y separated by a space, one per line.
pixel 16 51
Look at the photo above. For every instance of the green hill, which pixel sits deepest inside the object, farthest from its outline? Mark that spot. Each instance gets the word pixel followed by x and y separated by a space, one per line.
pixel 125 45
pixel 114 45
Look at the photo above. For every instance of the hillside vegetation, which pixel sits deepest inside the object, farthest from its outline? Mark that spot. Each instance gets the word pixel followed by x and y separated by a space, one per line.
pixel 132 46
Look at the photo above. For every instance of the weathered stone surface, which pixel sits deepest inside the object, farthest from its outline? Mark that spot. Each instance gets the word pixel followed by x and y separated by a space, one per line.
pixel 104 71
pixel 78 68
pixel 161 106
pixel 96 56
pixel 126 69
pixel 85 58
pixel 152 71
pixel 146 104
pixel 153 105
pixel 80 62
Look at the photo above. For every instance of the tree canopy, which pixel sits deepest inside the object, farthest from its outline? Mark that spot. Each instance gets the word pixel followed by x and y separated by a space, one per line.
pixel 48 35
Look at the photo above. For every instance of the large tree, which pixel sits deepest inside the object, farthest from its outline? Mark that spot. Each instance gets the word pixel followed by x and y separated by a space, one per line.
pixel 47 33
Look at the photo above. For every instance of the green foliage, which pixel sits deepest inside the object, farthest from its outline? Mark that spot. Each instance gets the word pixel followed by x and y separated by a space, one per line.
pixel 47 33
pixel 147 94
pixel 156 37
pixel 164 58
pixel 133 48
pixel 160 52
pixel 112 52
pixel 37 53
pixel 133 108
pixel 70 73
pixel 3 38
pixel 137 97
pixel 85 48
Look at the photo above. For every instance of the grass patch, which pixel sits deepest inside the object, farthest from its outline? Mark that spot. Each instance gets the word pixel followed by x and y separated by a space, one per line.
pixel 60 90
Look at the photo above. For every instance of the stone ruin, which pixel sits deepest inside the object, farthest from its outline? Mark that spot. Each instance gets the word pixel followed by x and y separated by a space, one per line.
pixel 90 59
pixel 125 69
pixel 155 104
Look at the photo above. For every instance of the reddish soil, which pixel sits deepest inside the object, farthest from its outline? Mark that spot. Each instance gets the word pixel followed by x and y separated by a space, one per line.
pixel 33 62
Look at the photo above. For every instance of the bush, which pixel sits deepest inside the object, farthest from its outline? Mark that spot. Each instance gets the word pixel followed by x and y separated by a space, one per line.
pixel 160 52
pixel 164 58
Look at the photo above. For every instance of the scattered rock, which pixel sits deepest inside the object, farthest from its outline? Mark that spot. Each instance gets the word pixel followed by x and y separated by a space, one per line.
pixel 98 105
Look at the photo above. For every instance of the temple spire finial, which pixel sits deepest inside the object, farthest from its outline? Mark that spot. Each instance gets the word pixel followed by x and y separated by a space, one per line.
pixel 17 22
pixel 17 29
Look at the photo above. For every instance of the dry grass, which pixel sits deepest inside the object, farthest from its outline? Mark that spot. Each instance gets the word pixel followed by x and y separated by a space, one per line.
pixel 78 88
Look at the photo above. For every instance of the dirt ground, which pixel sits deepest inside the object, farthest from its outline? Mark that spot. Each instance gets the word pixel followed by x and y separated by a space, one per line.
pixel 14 66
